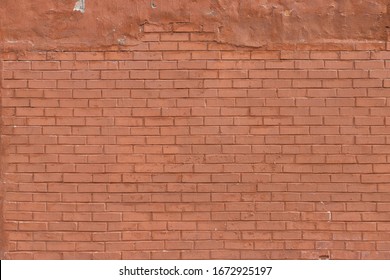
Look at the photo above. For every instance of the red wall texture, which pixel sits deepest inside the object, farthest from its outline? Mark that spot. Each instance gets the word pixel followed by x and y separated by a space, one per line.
pixel 182 147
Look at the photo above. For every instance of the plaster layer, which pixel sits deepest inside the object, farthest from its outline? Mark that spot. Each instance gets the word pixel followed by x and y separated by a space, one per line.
pixel 66 25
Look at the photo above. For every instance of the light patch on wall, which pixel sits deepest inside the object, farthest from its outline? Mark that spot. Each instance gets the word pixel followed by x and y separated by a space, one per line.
pixel 79 6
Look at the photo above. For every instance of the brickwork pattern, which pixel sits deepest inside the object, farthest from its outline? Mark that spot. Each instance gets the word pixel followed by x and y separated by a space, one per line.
pixel 187 149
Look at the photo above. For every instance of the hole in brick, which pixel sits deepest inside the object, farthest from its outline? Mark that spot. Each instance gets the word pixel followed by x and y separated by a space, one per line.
pixel 324 257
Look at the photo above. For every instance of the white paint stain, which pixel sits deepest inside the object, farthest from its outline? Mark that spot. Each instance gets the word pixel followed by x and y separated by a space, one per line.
pixel 287 13
pixel 329 216
pixel 79 6
pixel 18 42
pixel 122 41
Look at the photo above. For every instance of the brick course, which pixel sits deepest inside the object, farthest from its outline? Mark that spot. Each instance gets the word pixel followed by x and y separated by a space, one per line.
pixel 188 149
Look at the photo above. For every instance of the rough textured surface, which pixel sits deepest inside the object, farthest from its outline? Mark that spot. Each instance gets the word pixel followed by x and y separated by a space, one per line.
pixel 226 129
pixel 173 151
pixel 43 24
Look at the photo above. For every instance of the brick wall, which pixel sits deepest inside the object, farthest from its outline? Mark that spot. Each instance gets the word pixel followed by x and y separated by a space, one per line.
pixel 183 148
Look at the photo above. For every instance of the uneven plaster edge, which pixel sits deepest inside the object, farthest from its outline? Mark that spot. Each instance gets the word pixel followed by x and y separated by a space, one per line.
pixel 330 45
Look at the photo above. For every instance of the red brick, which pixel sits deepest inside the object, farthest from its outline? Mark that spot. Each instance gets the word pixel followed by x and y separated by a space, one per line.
pixel 45 65
pixel 279 64
pixel 132 65
pixel 21 74
pixel 355 55
pixel 15 84
pixel 324 55
pixel 100 65
pixel 118 55
pixel 369 64
pixel 17 65
pixel 89 56
pixel 345 74
pixel 113 75
pixel 56 75
pixel 323 74
pixel 339 64
pixel 287 147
